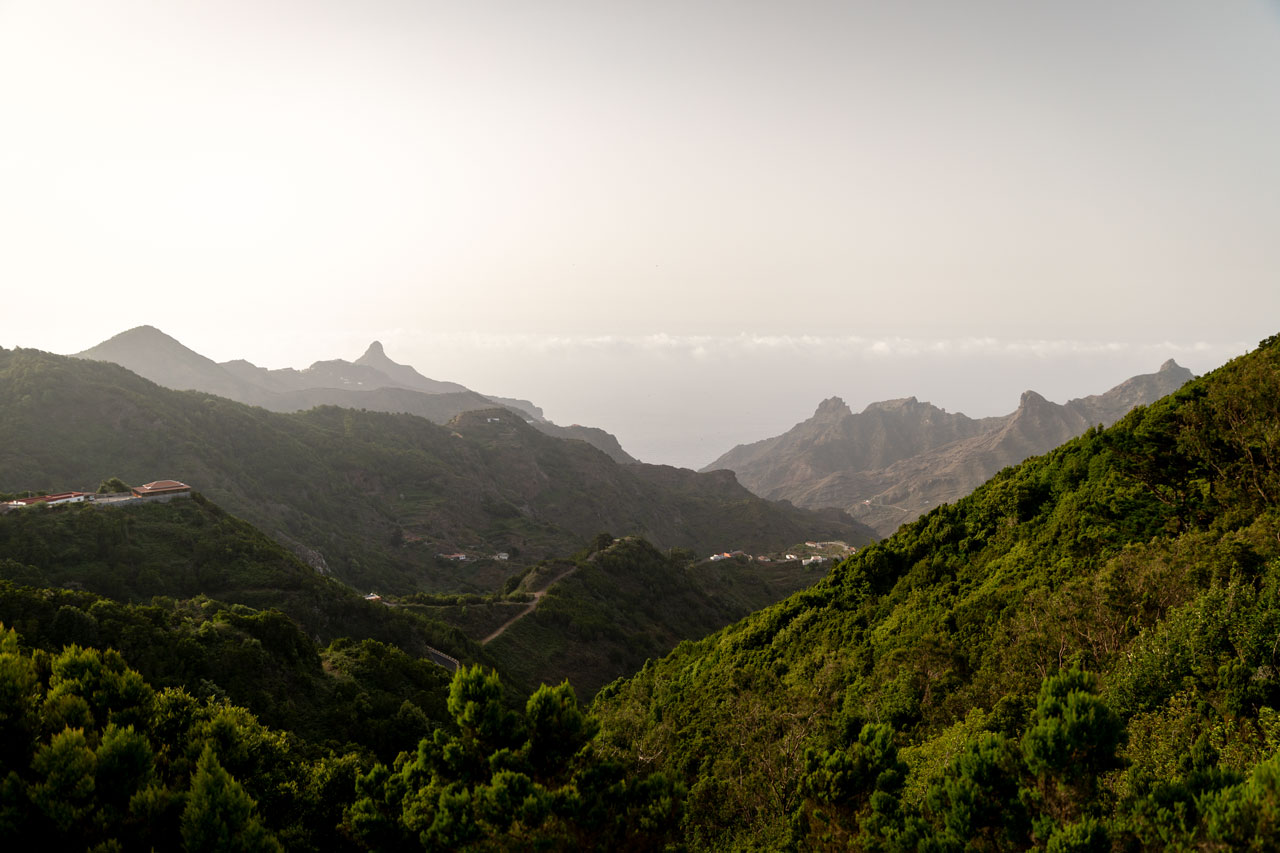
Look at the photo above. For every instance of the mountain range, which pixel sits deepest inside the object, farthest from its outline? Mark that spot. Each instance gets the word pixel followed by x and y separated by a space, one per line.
pixel 897 459
pixel 1078 655
pixel 373 382
pixel 375 497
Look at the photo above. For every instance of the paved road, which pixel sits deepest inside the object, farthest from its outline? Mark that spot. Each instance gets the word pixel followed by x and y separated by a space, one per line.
pixel 449 663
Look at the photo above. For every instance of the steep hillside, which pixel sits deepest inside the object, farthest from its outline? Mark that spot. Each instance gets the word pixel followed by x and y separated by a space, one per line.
pixel 151 353
pixel 372 497
pixel 618 607
pixel 1079 655
pixel 898 459
pixel 199 600
pixel 190 547
pixel 603 441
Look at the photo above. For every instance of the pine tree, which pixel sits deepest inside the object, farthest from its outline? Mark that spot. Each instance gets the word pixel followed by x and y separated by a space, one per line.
pixel 220 815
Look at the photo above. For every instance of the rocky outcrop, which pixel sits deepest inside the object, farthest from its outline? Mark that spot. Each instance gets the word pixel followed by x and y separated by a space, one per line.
pixel 897 459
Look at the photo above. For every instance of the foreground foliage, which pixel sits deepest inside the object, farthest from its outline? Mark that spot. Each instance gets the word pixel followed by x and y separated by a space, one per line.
pixel 93 757
pixel 512 781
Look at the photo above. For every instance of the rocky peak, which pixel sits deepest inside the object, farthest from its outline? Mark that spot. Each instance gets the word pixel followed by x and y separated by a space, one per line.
pixel 893 405
pixel 1031 399
pixel 832 407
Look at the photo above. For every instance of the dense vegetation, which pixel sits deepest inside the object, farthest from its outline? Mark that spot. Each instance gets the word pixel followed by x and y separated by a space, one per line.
pixel 132 715
pixel 93 757
pixel 191 547
pixel 196 599
pixel 370 496
pixel 627 602
pixel 146 612
pixel 936 690
pixel 352 694
pixel 1081 655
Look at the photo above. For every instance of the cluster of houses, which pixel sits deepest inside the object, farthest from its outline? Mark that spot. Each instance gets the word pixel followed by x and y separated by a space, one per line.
pixel 729 555
pixel 462 558
pixel 161 490
pixel 815 559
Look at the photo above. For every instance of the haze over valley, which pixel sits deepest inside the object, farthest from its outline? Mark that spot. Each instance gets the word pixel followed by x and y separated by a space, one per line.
pixel 684 400
pixel 696 426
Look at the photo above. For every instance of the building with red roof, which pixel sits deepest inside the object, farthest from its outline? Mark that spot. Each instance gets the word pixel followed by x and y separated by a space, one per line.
pixel 161 489
pixel 53 500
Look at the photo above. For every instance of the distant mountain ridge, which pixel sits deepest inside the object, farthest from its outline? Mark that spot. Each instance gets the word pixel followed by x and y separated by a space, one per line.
pixel 377 495
pixel 373 382
pixel 897 459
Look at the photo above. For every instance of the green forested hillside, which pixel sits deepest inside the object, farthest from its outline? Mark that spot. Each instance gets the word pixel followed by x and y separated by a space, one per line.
pixel 152 721
pixel 93 757
pixel 372 496
pixel 188 548
pixel 197 599
pixel 629 602
pixel 358 695
pixel 1080 655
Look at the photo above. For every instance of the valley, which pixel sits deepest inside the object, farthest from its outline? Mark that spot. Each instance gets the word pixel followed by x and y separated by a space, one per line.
pixel 732 672
pixel 373 497
pixel 587 427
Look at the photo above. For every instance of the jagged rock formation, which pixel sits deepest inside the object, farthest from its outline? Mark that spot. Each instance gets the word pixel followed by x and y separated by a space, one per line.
pixel 897 459
pixel 375 358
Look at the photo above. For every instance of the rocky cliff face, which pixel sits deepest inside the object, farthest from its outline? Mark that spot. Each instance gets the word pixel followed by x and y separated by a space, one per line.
pixel 897 459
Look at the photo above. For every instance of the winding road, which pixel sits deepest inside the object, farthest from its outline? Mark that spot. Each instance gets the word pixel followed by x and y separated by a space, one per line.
pixel 533 605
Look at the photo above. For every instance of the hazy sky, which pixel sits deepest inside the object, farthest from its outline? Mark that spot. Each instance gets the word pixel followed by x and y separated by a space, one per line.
pixel 645 211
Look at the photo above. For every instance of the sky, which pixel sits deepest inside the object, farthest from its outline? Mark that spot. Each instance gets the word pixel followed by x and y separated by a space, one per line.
pixel 684 222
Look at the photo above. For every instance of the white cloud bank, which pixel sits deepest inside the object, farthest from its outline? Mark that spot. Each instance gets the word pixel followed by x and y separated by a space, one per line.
pixel 733 346
pixel 685 399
